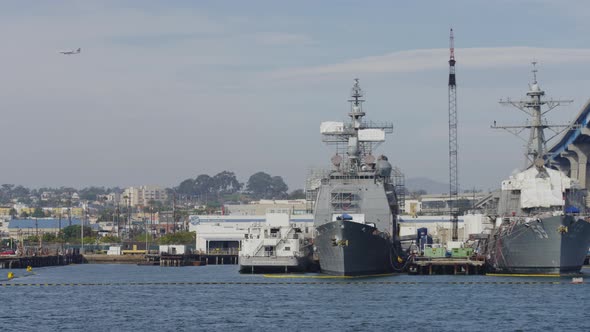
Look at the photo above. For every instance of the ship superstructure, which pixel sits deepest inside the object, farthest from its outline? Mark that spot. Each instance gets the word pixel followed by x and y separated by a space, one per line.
pixel 276 245
pixel 357 202
pixel 541 222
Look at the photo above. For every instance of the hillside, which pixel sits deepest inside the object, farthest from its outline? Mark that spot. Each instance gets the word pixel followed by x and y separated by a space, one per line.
pixel 431 186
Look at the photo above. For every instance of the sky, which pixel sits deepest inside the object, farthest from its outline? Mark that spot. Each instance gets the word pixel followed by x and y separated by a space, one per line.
pixel 167 90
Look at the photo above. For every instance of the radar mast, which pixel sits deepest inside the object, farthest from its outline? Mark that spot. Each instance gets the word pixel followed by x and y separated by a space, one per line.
pixel 535 107
pixel 355 140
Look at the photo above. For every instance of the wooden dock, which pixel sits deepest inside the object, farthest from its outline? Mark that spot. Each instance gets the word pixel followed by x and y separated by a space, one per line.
pixel 198 260
pixel 217 259
pixel 431 266
pixel 9 262
pixel 113 259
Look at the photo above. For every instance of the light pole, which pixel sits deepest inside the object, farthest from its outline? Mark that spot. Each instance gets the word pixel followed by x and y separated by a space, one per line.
pixel 118 212
pixel 173 212
pixel 146 236
pixel 69 209
pixel 29 234
pixel 128 203
pixel 82 229
pixel 60 235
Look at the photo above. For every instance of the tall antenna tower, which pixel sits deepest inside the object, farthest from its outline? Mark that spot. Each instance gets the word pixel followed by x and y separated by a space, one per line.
pixel 453 169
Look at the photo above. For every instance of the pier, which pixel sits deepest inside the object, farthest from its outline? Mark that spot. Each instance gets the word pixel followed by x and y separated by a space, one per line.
pixel 197 260
pixel 21 262
pixel 218 259
pixel 113 259
pixel 163 259
pixel 454 266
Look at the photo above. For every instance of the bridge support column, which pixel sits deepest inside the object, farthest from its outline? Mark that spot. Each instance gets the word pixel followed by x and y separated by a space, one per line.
pixel 582 150
pixel 561 164
pixel 573 159
pixel 585 131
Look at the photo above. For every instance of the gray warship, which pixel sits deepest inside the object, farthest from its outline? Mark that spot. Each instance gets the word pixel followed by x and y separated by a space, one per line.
pixel 357 202
pixel 542 221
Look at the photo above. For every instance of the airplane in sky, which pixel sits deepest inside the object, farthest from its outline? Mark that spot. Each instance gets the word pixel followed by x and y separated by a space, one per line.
pixel 71 52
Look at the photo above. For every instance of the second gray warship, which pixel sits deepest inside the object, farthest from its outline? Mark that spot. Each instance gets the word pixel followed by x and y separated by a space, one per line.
pixel 542 221
pixel 357 202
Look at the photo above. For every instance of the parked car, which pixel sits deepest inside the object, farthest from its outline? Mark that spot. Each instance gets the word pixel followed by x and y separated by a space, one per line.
pixel 7 252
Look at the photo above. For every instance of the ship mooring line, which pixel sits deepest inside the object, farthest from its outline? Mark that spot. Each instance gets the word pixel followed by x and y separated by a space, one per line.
pixel 217 283
pixel 544 275
pixel 298 276
pixel 28 274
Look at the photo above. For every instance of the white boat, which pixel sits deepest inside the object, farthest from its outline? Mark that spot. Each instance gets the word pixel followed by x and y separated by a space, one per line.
pixel 577 280
pixel 276 245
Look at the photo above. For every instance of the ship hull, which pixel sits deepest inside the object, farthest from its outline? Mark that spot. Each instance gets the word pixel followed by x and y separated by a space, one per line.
pixel 277 264
pixel 347 248
pixel 266 265
pixel 555 245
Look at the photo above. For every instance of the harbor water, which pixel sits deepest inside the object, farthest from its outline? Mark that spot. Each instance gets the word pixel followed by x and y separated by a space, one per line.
pixel 96 297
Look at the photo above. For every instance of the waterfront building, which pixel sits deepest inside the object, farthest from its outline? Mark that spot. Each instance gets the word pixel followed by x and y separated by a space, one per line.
pixel 143 195
pixel 264 206
pixel 47 195
pixel 4 228
pixel 113 198
pixel 173 249
pixel 439 227
pixel 27 227
pixel 439 204
pixel 107 227
pixel 223 234
pixel 19 207
pixel 5 212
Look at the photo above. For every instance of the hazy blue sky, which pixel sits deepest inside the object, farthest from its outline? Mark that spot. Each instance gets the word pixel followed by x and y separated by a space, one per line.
pixel 167 90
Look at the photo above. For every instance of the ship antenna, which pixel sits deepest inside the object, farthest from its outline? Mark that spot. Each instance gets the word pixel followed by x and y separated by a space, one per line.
pixel 356 113
pixel 352 140
pixel 536 143
pixel 356 93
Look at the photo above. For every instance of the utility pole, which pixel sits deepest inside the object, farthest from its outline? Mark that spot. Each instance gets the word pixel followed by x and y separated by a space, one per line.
pixel 128 199
pixel 118 222
pixel 82 229
pixel 69 213
pixel 174 212
pixel 60 233
pixel 453 169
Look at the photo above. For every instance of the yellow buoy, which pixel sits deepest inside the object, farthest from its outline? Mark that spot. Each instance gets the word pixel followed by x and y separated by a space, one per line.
pixel 29 268
pixel 10 275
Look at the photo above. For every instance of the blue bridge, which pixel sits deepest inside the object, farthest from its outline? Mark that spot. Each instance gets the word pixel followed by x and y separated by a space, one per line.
pixel 571 152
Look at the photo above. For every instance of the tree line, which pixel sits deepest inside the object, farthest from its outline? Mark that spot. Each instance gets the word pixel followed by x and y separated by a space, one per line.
pixel 204 188
pixel 71 235
pixel 260 185
pixel 8 192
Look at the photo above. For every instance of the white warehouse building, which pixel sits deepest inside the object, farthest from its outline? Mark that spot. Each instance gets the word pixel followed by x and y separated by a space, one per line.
pixel 223 233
